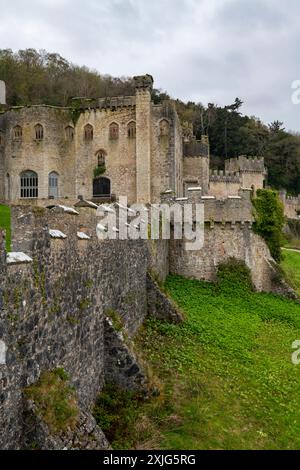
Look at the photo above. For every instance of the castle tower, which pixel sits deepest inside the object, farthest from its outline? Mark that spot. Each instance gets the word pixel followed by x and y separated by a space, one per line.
pixel 143 85
pixel 2 93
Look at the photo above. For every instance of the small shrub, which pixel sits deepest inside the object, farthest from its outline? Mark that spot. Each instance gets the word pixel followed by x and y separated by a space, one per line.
pixel 115 412
pixel 99 170
pixel 234 272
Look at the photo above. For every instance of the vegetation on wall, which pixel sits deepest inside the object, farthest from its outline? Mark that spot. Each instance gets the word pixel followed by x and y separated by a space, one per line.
pixel 99 170
pixel 269 220
pixel 55 400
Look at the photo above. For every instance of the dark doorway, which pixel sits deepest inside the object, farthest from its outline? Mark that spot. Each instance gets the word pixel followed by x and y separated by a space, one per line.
pixel 101 187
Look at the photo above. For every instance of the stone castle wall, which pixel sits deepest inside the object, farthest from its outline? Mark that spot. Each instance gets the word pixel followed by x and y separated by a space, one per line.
pixel 139 165
pixel 221 242
pixel 52 153
pixel 120 153
pixel 223 184
pixel 58 309
pixel 291 205
pixel 52 312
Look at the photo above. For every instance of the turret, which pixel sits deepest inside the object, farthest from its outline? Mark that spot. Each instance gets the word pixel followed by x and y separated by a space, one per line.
pixel 143 86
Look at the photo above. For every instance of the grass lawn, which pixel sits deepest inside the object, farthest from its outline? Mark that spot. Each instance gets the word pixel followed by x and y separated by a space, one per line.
pixel 291 267
pixel 5 224
pixel 225 374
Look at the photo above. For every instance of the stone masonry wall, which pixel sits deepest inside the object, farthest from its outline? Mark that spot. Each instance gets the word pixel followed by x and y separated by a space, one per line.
pixel 52 311
pixel 223 241
pixel 52 153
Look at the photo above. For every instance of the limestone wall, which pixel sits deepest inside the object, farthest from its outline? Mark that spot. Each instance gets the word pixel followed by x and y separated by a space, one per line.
pixel 52 153
pixel 223 241
pixel 120 153
pixel 196 172
pixel 291 205
pixel 223 184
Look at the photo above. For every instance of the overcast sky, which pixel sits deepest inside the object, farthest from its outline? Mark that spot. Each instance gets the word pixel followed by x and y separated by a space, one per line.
pixel 200 50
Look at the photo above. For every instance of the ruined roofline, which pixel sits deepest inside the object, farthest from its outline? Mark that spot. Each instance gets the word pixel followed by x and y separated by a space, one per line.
pixel 16 108
pixel 245 157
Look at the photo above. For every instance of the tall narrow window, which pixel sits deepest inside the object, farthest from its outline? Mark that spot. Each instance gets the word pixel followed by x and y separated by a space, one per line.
pixel 53 184
pixel 164 128
pixel 39 132
pixel 17 133
pixel 29 184
pixel 114 131
pixel 69 130
pixel 101 154
pixel 1 138
pixel 88 133
pixel 131 130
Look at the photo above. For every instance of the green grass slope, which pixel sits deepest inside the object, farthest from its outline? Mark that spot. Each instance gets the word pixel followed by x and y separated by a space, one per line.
pixel 225 375
pixel 5 224
pixel 291 266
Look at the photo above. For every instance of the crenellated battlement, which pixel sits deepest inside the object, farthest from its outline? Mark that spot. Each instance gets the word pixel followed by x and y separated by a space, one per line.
pixel 245 164
pixel 224 176
pixel 196 148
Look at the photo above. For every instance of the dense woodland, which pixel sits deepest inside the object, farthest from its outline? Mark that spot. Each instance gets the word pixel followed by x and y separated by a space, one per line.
pixel 34 77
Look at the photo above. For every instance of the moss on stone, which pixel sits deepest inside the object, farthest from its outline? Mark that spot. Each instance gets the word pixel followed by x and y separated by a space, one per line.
pixel 55 400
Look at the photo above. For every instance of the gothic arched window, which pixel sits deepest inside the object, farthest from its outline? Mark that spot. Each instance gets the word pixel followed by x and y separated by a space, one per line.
pixel 164 128
pixel 101 154
pixel 114 131
pixel 17 133
pixel 131 130
pixel 53 184
pixel 70 131
pixel 39 132
pixel 29 184
pixel 88 132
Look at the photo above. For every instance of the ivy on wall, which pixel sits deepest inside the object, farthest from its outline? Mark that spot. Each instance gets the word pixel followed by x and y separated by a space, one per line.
pixel 269 220
pixel 99 170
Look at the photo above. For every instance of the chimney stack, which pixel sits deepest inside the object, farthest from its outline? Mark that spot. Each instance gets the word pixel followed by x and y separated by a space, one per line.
pixel 2 93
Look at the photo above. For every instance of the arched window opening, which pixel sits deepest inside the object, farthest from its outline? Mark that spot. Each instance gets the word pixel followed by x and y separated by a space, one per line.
pixel 39 132
pixel 131 130
pixel 101 187
pixel 114 131
pixel 29 184
pixel 53 184
pixel 164 128
pixel 70 131
pixel 17 133
pixel 101 154
pixel 88 133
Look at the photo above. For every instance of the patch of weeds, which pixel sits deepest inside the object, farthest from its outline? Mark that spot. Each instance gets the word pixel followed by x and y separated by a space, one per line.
pixel 55 400
pixel 115 319
pixel 115 412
